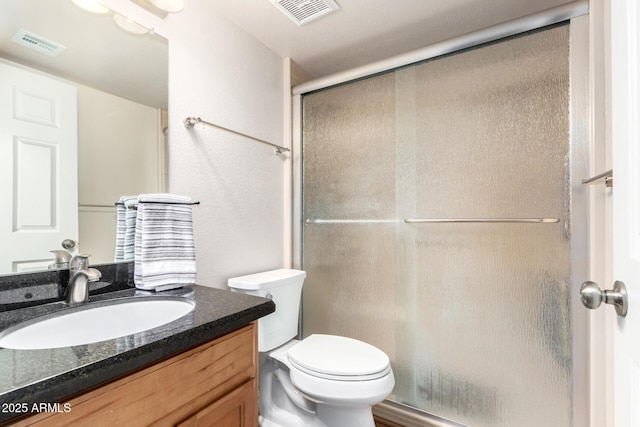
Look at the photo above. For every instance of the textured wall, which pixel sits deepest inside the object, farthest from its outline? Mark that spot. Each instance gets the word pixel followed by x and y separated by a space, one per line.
pixel 219 72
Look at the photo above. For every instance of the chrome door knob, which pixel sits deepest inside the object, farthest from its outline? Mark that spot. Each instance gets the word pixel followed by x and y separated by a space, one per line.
pixel 68 244
pixel 592 296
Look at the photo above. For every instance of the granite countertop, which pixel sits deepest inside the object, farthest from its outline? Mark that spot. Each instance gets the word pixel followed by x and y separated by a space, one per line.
pixel 29 377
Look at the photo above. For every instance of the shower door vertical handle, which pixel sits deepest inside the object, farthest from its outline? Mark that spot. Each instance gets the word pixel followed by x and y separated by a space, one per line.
pixel 592 296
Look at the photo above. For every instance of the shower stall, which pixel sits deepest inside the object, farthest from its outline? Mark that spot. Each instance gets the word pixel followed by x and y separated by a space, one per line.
pixel 443 221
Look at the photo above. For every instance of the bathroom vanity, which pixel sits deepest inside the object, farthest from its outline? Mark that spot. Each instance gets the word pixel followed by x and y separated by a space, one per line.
pixel 198 370
pixel 212 384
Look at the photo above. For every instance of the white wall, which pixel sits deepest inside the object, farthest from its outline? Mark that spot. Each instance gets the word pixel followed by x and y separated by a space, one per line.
pixel 118 147
pixel 220 73
pixel 601 343
pixel 118 153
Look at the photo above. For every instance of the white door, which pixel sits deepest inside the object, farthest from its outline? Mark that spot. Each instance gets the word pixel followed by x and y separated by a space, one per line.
pixel 625 138
pixel 38 168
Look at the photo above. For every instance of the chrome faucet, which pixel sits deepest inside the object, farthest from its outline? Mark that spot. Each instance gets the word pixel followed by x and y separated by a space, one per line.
pixel 80 275
pixel 62 259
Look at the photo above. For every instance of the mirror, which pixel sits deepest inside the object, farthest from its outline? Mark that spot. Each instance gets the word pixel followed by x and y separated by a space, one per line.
pixel 122 103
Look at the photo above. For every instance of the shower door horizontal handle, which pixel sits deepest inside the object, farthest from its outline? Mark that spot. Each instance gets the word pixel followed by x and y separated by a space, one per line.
pixel 434 221
pixel 481 220
pixel 351 221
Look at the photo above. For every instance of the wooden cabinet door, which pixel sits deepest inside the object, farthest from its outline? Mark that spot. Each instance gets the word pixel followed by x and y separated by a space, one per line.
pixel 215 381
pixel 236 409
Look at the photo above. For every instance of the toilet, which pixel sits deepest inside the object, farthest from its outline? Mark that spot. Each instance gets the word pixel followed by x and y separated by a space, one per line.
pixel 320 381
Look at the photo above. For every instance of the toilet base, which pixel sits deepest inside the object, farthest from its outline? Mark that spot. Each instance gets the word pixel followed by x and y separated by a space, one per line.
pixel 328 417
pixel 277 407
pixel 341 416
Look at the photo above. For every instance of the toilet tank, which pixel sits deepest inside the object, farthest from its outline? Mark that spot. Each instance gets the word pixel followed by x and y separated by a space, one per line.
pixel 284 287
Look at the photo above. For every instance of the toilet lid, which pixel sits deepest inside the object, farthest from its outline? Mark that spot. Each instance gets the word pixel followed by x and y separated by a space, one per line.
pixel 339 358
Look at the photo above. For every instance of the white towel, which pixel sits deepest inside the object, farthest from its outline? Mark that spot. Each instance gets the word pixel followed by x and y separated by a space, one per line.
pixel 130 205
pixel 120 230
pixel 165 256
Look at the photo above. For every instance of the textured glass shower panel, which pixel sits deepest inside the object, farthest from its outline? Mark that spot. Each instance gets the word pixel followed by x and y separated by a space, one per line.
pixel 349 172
pixel 475 317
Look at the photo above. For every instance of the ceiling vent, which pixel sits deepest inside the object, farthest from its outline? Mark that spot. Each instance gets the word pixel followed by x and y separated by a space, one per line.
pixel 35 42
pixel 304 11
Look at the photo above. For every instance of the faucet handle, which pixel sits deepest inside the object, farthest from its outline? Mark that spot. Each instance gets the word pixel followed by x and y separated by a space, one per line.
pixel 62 259
pixel 79 262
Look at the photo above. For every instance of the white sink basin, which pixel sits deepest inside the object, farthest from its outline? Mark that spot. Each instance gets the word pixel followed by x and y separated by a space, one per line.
pixel 94 322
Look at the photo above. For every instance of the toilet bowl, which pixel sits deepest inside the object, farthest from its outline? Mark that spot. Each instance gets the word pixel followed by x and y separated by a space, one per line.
pixel 320 381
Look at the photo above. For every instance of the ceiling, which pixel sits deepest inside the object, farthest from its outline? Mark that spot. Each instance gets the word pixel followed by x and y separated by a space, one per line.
pixel 359 33
pixel 365 31
pixel 98 53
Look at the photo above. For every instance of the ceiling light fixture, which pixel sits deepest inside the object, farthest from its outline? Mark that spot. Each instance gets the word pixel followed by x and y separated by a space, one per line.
pixel 129 25
pixel 91 6
pixel 171 6
pixel 121 21
pixel 161 8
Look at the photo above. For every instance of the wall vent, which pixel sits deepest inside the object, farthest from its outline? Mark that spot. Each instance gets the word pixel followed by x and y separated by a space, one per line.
pixel 36 42
pixel 304 11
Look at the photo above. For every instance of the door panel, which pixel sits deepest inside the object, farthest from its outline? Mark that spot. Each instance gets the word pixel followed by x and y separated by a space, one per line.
pixel 34 197
pixel 625 131
pixel 38 167
pixel 36 107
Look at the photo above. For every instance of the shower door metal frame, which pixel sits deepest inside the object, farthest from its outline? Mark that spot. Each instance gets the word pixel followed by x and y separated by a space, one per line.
pixel 580 143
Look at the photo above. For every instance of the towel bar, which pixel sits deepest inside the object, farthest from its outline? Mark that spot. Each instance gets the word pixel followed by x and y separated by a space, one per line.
pixel 164 203
pixel 606 177
pixel 481 220
pixel 190 122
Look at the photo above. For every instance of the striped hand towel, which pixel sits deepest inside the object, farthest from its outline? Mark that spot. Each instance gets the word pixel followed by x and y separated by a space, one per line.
pixel 130 205
pixel 165 256
pixel 120 230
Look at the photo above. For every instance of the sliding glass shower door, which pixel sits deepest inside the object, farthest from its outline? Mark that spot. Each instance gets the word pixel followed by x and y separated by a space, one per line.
pixel 437 206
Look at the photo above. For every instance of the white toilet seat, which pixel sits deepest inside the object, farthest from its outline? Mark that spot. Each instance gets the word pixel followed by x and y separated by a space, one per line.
pixel 331 377
pixel 339 370
pixel 342 393
pixel 338 358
